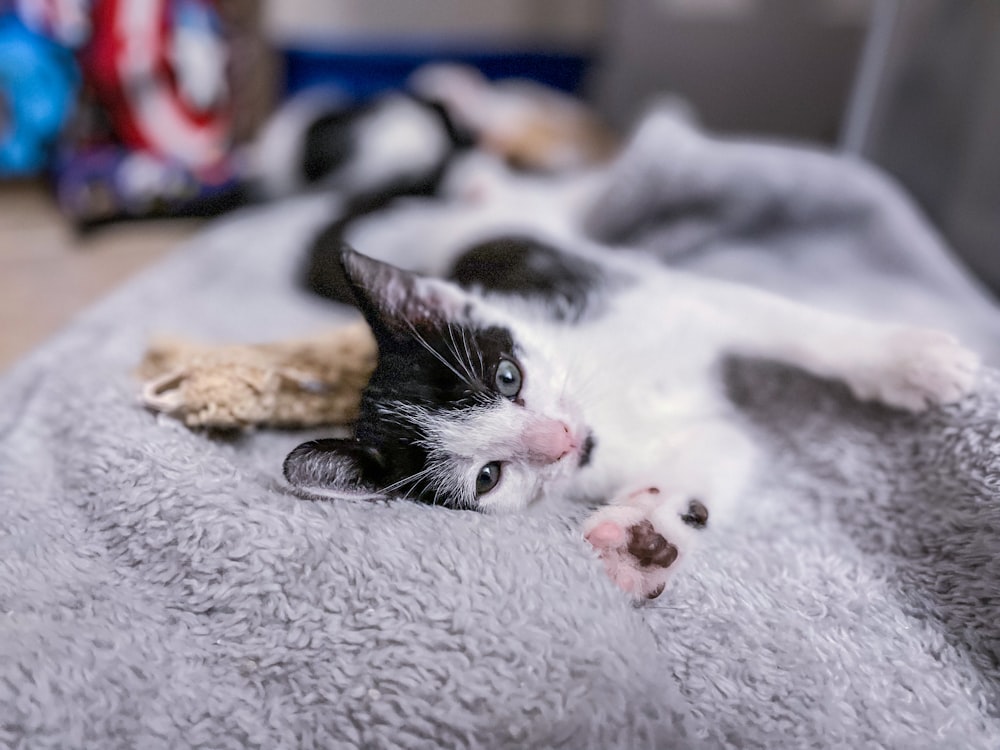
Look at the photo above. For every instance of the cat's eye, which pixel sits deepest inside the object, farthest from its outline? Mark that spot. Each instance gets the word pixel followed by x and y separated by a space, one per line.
pixel 488 477
pixel 508 379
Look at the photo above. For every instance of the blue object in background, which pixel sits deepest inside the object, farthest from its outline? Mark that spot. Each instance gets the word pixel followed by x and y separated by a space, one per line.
pixel 362 73
pixel 38 85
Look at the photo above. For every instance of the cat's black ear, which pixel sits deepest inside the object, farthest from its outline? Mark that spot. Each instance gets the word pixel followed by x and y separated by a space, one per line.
pixel 397 300
pixel 336 468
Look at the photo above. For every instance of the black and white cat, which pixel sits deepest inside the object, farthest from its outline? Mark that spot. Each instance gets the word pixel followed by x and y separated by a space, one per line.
pixel 535 362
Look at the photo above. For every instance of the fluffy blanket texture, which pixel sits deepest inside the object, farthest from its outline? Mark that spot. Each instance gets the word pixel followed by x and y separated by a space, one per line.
pixel 162 588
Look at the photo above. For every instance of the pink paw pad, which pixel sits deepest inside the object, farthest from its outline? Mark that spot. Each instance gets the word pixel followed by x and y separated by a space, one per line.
pixel 641 537
pixel 636 556
pixel 607 534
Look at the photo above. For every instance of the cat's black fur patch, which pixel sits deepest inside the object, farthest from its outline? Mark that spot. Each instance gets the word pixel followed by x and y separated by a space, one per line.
pixel 408 373
pixel 528 267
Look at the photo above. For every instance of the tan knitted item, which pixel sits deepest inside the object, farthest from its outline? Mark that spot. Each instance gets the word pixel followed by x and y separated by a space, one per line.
pixel 295 383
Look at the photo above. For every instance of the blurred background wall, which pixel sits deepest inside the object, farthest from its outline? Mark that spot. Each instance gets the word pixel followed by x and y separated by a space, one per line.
pixel 574 22
pixel 930 115
pixel 778 67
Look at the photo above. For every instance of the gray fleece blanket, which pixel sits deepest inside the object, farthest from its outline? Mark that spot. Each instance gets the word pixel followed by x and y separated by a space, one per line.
pixel 162 588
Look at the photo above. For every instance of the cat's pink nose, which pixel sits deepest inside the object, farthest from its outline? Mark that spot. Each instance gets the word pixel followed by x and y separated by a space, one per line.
pixel 548 440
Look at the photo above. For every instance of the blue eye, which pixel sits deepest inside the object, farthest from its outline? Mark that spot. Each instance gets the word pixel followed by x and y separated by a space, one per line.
pixel 508 379
pixel 487 478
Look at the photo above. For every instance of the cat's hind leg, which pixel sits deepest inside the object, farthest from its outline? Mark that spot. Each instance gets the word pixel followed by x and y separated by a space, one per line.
pixel 911 368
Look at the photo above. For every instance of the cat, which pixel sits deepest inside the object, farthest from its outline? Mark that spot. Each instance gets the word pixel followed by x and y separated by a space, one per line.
pixel 538 363
pixel 520 358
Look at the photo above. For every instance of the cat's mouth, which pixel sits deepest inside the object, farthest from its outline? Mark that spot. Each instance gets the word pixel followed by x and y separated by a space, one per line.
pixel 587 450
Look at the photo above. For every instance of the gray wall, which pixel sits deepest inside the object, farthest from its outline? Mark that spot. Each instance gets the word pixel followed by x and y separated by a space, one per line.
pixel 559 22
pixel 777 67
pixel 936 124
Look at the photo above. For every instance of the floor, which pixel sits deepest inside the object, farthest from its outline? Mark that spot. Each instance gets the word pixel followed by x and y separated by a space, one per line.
pixel 48 272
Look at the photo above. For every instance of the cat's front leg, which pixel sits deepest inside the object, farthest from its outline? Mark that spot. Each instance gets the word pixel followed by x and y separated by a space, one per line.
pixel 642 536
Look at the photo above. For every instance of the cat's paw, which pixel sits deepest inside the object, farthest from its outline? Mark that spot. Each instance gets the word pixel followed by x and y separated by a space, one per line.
pixel 641 538
pixel 918 368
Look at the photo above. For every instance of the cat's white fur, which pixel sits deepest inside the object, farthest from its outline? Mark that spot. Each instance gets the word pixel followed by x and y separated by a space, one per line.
pixel 641 376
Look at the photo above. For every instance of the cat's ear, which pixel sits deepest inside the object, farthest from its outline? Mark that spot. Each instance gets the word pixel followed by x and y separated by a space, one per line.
pixel 397 300
pixel 336 468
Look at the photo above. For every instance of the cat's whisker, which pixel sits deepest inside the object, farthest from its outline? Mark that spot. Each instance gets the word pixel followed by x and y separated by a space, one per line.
pixel 437 355
pixel 414 415
pixel 465 363
pixel 412 478
pixel 393 414
pixel 482 364
pixel 450 345
pixel 587 381
pixel 468 354
pixel 432 477
pixel 484 398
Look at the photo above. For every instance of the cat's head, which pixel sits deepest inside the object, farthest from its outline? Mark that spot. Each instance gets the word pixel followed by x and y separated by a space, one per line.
pixel 462 410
